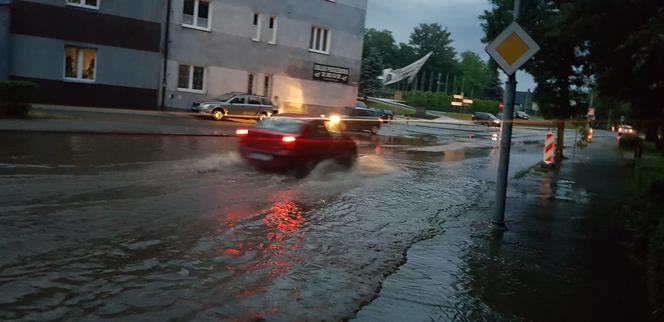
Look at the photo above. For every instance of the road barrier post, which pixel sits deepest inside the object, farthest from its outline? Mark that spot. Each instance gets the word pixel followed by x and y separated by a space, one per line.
pixel 548 149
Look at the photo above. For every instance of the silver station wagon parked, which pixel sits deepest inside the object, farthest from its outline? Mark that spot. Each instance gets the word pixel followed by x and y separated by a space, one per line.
pixel 236 105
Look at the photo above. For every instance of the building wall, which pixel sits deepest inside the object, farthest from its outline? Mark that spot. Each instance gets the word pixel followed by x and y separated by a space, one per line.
pixel 229 54
pixel 146 10
pixel 128 50
pixel 4 39
pixel 114 66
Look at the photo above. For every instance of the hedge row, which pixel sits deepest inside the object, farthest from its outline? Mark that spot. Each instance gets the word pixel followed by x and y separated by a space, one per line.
pixel 441 102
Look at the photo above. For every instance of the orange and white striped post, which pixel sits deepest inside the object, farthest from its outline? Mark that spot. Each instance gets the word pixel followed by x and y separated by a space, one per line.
pixel 548 149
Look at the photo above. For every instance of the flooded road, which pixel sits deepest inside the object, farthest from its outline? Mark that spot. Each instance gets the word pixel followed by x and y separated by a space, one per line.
pixel 159 228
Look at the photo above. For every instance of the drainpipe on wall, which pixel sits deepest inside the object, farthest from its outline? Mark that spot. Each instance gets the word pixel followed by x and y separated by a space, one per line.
pixel 5 23
pixel 166 46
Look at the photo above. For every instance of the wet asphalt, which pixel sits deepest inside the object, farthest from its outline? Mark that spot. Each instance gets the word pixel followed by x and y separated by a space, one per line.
pixel 156 228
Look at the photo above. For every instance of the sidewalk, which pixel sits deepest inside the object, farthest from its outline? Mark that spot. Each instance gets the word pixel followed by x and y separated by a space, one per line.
pixel 563 258
pixel 82 120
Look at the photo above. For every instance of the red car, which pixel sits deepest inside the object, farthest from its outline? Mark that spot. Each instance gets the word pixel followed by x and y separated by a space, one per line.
pixel 294 143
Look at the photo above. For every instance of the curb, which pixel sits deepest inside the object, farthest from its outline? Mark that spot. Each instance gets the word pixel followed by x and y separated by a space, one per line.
pixel 449 128
pixel 120 133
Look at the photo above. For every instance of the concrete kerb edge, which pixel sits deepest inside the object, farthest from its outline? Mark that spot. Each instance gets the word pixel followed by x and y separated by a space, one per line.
pixel 450 128
pixel 120 133
pixel 108 110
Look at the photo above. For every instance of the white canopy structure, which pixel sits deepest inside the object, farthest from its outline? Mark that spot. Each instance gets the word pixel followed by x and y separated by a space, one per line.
pixel 392 76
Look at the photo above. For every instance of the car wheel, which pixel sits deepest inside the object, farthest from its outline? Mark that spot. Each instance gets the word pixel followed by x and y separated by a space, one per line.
pixel 304 169
pixel 374 130
pixel 218 115
pixel 348 161
pixel 262 116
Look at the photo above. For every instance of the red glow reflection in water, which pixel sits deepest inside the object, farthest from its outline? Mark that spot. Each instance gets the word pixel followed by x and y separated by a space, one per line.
pixel 286 216
pixel 272 253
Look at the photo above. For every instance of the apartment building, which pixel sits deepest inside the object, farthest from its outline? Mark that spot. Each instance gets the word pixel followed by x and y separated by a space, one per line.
pixel 170 53
pixel 86 52
pixel 305 52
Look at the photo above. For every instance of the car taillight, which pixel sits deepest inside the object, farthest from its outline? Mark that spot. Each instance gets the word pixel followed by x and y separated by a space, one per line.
pixel 288 139
pixel 241 132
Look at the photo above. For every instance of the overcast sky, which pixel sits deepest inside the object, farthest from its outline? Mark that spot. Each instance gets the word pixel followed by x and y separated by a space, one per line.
pixel 461 17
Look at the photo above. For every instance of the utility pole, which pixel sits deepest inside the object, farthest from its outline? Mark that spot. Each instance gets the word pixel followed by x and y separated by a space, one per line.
pixel 610 124
pixel 447 83
pixel 166 45
pixel 438 83
pixel 423 79
pixel 431 81
pixel 416 81
pixel 505 141
pixel 454 90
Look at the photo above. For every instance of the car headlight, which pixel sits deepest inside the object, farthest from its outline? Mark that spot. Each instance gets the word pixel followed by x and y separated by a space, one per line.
pixel 335 119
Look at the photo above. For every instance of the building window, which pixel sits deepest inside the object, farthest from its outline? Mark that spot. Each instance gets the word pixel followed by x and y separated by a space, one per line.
pixel 80 63
pixel 90 4
pixel 320 40
pixel 273 29
pixel 267 85
pixel 257 27
pixel 191 78
pixel 196 14
pixel 250 83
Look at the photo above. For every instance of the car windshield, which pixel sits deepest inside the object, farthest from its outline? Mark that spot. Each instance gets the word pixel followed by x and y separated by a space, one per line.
pixel 361 105
pixel 281 124
pixel 226 97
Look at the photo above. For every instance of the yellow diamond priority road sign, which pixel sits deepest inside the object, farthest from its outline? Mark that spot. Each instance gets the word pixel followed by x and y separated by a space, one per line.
pixel 512 48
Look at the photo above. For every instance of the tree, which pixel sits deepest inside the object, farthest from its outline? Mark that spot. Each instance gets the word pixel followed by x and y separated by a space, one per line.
pixel 403 56
pixel 494 89
pixel 475 74
pixel 624 49
pixel 383 42
pixel 557 69
pixel 433 38
pixel 372 67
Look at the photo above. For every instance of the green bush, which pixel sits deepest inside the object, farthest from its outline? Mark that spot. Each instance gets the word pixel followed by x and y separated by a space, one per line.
pixel 655 264
pixel 485 106
pixel 441 102
pixel 646 222
pixel 16 98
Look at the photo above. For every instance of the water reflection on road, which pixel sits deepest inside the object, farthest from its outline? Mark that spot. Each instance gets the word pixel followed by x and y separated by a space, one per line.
pixel 129 228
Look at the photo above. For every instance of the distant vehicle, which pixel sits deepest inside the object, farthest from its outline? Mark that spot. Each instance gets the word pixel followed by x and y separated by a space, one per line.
pixel 387 115
pixel 521 115
pixel 236 105
pixel 295 143
pixel 362 119
pixel 384 114
pixel 518 115
pixel 487 119
pixel 626 130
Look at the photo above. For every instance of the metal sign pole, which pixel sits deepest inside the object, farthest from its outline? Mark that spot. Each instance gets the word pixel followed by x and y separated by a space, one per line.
pixel 505 142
